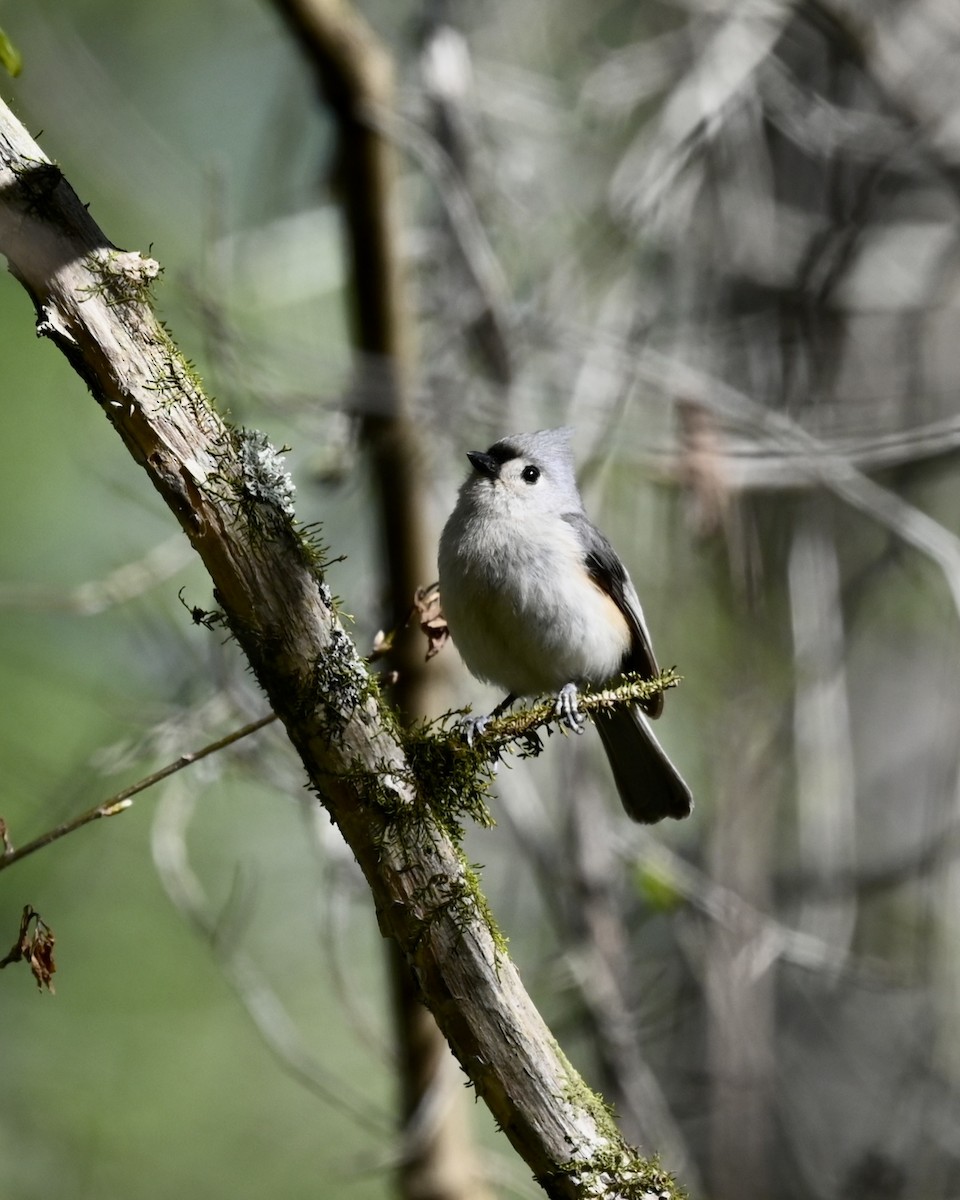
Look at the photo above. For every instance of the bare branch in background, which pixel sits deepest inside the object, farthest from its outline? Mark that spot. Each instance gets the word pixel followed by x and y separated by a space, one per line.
pixel 264 1007
pixel 97 595
pixel 123 799
pixel 771 939
pixel 826 783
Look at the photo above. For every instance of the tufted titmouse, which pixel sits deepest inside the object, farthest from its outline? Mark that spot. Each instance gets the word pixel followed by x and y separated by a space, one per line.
pixel 538 601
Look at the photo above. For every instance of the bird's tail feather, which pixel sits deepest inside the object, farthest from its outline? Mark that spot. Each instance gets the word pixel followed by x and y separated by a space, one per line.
pixel 649 784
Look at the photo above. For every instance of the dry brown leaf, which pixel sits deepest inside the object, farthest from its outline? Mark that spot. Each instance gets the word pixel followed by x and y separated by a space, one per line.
pixel 426 601
pixel 36 946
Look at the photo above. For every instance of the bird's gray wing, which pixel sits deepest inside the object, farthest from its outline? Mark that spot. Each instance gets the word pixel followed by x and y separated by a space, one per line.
pixel 609 574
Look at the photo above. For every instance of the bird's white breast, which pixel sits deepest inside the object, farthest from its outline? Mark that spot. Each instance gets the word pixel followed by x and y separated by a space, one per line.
pixel 521 608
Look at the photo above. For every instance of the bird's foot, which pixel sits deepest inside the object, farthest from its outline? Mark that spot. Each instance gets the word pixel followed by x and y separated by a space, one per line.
pixel 567 708
pixel 473 727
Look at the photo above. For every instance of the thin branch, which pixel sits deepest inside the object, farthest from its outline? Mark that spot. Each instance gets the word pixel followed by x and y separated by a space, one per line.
pixel 770 939
pixel 124 799
pixel 263 1006
pixel 516 727
pixel 485 274
pixel 822 738
pixel 95 596
pixel 822 464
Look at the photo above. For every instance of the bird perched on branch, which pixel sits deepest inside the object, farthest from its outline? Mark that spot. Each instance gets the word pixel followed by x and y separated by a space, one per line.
pixel 537 600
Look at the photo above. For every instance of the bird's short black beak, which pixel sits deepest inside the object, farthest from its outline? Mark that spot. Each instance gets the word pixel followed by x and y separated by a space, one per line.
pixel 484 464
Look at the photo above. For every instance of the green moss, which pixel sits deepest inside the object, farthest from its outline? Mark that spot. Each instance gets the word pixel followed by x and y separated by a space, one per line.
pixel 614 1170
pixel 519 726
pixel 181 373
pixel 453 778
pixel 475 895
pixel 578 1095
pixel 315 555
pixel 452 781
pixel 617 1174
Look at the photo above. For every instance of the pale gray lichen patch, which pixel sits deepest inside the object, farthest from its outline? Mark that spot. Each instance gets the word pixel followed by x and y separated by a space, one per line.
pixel 263 472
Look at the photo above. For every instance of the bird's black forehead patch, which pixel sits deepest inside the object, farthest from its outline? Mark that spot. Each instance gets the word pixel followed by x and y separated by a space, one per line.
pixel 503 452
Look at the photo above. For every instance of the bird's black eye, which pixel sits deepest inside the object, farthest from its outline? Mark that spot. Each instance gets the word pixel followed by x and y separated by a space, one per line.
pixel 530 474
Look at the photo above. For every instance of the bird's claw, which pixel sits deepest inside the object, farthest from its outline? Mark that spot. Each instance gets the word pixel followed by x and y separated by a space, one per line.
pixel 473 727
pixel 567 708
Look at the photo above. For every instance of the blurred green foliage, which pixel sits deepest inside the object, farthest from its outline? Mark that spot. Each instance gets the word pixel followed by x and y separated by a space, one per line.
pixel 10 57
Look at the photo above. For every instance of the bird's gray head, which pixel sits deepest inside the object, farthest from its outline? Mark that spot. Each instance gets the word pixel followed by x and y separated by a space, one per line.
pixel 526 472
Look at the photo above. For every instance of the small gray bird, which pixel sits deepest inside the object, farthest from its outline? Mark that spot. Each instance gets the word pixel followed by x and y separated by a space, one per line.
pixel 538 601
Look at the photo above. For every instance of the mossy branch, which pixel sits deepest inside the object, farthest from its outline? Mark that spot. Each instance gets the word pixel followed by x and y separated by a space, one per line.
pixel 518 726
pixel 268 584
pixel 453 774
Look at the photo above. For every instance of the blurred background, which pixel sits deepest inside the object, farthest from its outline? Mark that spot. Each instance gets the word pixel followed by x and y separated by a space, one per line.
pixel 722 242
